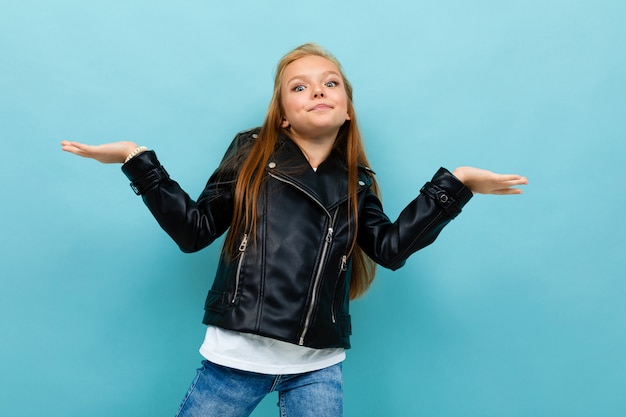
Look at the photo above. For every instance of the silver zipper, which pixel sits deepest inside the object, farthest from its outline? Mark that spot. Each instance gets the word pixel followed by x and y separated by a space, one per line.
pixel 342 268
pixel 344 263
pixel 242 250
pixel 327 241
pixel 318 276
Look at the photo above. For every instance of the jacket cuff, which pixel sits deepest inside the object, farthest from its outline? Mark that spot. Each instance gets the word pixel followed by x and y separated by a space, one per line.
pixel 144 172
pixel 448 192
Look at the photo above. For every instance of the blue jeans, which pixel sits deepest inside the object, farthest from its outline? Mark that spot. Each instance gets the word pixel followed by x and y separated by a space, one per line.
pixel 219 391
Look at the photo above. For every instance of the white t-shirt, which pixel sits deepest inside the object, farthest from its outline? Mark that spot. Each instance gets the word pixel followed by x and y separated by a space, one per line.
pixel 253 353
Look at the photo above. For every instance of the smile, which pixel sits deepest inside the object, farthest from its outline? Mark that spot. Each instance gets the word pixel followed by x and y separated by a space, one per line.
pixel 321 107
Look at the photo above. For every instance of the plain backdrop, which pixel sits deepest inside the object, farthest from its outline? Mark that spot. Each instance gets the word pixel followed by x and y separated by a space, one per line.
pixel 517 310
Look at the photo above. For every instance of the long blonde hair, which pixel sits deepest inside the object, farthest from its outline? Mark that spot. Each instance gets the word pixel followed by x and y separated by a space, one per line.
pixel 251 172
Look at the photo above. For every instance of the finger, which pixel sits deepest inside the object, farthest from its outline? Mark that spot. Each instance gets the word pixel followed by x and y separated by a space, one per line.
pixel 511 177
pixel 81 146
pixel 66 144
pixel 515 181
pixel 76 148
pixel 507 191
pixel 67 147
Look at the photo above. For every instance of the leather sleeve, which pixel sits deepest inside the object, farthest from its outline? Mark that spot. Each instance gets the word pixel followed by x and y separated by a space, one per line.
pixel 193 225
pixel 390 243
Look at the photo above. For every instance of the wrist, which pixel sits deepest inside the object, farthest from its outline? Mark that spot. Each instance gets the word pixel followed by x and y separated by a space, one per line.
pixel 135 152
pixel 459 174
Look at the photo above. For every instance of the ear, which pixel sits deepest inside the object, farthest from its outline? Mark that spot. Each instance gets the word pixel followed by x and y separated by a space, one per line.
pixel 285 124
pixel 347 117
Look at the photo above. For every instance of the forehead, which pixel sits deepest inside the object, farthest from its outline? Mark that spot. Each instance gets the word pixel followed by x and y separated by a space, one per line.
pixel 308 66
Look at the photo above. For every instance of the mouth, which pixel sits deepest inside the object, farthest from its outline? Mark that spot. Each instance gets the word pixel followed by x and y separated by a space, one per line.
pixel 321 106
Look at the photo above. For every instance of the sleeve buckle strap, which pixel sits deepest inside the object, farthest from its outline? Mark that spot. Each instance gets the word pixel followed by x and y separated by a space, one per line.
pixel 144 183
pixel 442 198
pixel 135 188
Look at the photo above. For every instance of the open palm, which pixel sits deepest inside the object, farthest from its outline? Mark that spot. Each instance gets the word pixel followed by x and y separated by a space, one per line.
pixel 108 153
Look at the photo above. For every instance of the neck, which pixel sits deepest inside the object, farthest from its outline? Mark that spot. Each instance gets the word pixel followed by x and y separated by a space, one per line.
pixel 315 149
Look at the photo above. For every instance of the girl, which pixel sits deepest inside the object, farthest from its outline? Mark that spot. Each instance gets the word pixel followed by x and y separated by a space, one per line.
pixel 305 230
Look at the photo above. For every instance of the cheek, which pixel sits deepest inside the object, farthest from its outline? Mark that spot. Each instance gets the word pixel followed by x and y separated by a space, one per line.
pixel 343 99
pixel 291 105
pixel 344 104
pixel 288 106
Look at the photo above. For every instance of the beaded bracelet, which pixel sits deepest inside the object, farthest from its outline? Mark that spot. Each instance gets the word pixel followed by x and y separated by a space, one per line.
pixel 136 152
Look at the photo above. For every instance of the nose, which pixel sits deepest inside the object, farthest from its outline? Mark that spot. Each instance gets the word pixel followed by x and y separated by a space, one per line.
pixel 318 92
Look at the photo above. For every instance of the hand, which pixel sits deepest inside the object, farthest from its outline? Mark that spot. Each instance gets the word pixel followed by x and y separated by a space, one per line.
pixel 482 181
pixel 108 153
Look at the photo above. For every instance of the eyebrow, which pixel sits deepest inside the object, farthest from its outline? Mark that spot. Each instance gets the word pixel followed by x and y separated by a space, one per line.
pixel 304 77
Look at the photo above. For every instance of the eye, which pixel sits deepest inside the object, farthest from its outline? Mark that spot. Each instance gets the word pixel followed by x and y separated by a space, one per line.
pixel 298 88
pixel 331 83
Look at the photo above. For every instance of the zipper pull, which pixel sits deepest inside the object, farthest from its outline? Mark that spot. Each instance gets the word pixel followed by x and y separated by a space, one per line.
pixel 244 243
pixel 344 263
pixel 329 235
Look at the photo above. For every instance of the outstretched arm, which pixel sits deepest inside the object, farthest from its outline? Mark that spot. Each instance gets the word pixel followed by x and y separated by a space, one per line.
pixel 191 224
pixel 481 181
pixel 108 153
pixel 440 200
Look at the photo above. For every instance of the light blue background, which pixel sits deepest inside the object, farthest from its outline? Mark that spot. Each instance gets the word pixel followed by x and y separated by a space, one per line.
pixel 517 310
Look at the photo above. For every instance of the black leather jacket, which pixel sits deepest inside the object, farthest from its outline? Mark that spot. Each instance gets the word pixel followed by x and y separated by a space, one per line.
pixel 292 283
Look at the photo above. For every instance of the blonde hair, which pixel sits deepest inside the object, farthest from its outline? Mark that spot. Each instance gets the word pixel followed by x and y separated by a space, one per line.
pixel 251 173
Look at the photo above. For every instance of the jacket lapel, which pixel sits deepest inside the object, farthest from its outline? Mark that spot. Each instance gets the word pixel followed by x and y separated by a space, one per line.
pixel 327 185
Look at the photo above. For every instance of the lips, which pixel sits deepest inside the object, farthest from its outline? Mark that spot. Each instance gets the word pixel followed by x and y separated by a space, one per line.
pixel 321 106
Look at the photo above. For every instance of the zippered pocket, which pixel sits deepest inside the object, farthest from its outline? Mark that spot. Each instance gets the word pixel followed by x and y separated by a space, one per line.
pixel 242 252
pixel 342 270
pixel 318 276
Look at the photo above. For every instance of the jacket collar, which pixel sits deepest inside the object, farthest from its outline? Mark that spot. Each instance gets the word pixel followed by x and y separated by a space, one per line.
pixel 328 185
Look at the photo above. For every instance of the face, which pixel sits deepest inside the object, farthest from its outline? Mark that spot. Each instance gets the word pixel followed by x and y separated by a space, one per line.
pixel 314 98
